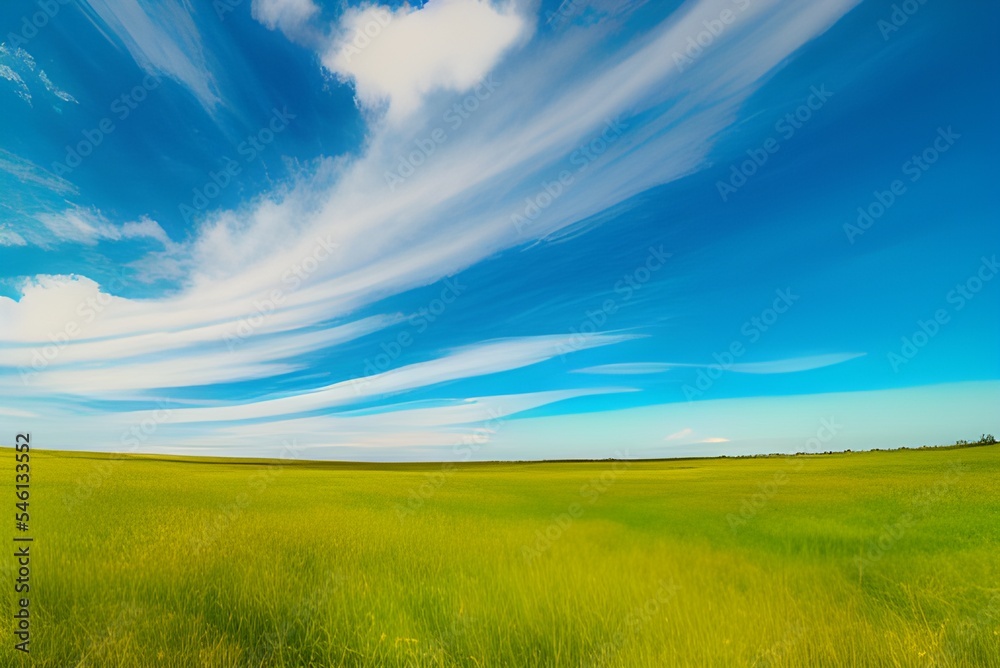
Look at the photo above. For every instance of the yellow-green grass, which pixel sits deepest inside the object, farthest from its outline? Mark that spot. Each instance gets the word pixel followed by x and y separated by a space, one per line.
pixel 711 562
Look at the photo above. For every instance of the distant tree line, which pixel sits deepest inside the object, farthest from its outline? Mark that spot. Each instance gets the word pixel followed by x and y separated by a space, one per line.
pixel 985 439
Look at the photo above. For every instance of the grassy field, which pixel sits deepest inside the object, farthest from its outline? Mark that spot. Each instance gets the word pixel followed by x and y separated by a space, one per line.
pixel 863 559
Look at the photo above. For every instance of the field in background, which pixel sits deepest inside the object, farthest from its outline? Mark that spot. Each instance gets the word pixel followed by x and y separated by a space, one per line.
pixel 859 559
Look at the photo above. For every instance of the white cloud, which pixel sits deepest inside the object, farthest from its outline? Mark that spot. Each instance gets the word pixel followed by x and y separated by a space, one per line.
pixel 289 16
pixel 396 58
pixel 687 431
pixel 145 228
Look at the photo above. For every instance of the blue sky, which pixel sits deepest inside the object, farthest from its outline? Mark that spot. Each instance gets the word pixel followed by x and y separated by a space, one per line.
pixel 473 230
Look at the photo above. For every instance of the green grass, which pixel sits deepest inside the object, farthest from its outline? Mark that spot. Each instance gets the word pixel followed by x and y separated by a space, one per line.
pixel 156 562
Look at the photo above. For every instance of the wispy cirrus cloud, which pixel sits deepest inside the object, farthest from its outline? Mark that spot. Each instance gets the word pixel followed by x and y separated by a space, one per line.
pixel 468 362
pixel 790 365
pixel 17 65
pixel 796 364
pixel 9 237
pixel 627 368
pixel 88 227
pixel 687 435
pixel 163 39
pixel 27 172
pixel 678 435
